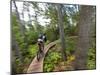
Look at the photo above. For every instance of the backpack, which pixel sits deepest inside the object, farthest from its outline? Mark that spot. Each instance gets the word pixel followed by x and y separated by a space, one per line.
pixel 44 38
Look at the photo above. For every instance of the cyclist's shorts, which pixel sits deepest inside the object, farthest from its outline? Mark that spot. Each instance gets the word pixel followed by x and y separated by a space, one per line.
pixel 40 42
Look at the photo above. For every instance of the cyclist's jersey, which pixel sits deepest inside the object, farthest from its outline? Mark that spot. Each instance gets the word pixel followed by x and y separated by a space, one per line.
pixel 40 40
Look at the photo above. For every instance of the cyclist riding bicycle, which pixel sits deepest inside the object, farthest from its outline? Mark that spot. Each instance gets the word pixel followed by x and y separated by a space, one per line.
pixel 40 43
pixel 41 40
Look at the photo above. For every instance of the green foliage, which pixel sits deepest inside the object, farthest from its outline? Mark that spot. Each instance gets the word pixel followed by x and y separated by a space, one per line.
pixel 52 34
pixel 71 43
pixel 91 62
pixel 32 36
pixel 71 30
pixel 51 60
pixel 54 57
pixel 48 67
pixel 27 50
pixel 17 66
pixel 32 51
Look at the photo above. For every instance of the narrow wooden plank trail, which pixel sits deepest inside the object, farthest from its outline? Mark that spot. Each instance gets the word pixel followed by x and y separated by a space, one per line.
pixel 37 66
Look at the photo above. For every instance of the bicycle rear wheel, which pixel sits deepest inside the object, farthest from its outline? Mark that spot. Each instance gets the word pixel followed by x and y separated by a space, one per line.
pixel 38 55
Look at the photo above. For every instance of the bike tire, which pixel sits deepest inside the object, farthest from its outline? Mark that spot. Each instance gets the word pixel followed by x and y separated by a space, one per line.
pixel 38 56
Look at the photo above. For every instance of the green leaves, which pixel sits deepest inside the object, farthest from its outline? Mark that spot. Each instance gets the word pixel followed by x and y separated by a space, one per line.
pixel 54 56
pixel 32 36
pixel 71 43
pixel 48 67
pixel 51 60
pixel 33 50
pixel 91 61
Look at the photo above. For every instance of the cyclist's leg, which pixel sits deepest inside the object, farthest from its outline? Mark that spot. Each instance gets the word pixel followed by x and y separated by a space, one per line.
pixel 42 48
pixel 38 53
pixel 43 45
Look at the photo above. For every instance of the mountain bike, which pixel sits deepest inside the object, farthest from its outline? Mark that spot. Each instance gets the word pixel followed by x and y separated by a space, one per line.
pixel 40 52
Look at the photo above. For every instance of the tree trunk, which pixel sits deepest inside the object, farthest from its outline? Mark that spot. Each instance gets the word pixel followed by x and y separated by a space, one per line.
pixel 16 49
pixel 84 27
pixel 21 26
pixel 61 31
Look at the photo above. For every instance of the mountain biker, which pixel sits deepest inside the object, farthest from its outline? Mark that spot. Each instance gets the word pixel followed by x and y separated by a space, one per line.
pixel 41 40
pixel 40 43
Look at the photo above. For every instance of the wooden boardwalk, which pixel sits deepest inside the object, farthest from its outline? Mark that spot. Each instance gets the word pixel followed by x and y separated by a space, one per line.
pixel 37 66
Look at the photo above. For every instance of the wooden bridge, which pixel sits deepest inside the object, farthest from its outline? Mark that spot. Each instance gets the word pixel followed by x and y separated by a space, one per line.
pixel 37 66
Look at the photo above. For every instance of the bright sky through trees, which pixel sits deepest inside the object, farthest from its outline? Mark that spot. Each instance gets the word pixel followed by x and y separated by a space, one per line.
pixel 41 20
